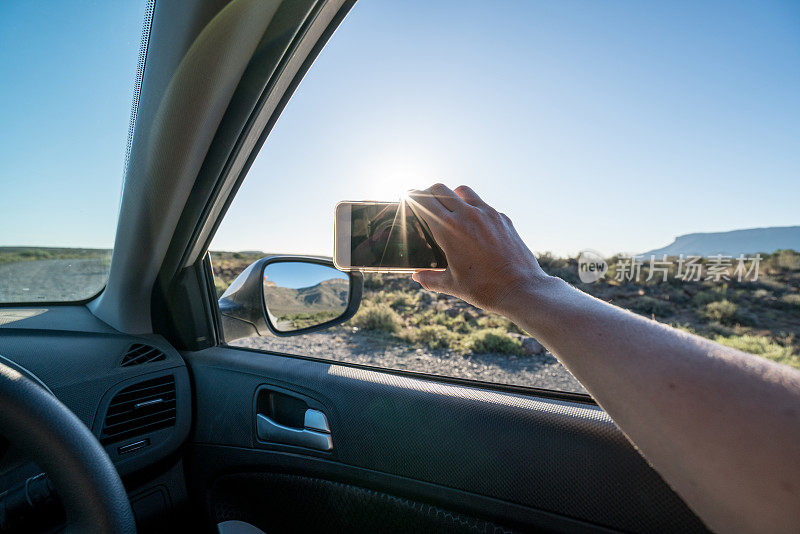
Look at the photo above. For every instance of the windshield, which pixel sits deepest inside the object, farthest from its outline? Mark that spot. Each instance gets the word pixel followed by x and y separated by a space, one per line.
pixel 67 82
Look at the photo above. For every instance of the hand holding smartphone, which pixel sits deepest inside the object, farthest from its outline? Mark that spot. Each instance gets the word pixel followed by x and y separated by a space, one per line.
pixel 383 237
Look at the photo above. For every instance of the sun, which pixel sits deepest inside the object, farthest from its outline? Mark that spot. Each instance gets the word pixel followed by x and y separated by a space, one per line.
pixel 390 176
pixel 390 184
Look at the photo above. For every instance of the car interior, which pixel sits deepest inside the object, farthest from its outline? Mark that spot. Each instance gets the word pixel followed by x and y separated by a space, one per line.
pixel 131 411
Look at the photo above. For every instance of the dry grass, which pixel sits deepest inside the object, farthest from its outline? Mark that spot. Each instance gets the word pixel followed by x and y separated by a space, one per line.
pixel 757 317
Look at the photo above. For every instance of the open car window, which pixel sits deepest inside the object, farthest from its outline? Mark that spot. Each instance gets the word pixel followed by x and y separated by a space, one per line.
pixel 631 151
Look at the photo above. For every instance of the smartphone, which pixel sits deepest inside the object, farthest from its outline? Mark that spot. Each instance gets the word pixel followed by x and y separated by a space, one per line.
pixel 383 237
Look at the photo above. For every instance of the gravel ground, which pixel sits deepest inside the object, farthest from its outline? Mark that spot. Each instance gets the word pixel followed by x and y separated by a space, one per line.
pixel 52 280
pixel 351 345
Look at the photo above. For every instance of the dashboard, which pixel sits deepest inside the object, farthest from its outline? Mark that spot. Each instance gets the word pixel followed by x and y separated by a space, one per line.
pixel 133 392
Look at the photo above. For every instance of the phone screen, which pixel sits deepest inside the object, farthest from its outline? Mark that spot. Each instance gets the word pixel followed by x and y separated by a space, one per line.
pixel 390 235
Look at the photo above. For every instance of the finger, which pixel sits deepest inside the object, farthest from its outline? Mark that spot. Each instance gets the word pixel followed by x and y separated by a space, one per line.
pixel 470 197
pixel 446 196
pixel 438 281
pixel 427 207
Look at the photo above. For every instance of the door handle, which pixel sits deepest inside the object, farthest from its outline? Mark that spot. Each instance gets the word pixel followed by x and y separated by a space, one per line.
pixel 316 433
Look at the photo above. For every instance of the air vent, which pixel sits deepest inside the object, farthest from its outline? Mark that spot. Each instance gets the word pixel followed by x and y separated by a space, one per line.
pixel 139 353
pixel 139 409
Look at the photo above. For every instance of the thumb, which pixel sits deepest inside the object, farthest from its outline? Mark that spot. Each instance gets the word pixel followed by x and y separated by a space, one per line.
pixel 438 281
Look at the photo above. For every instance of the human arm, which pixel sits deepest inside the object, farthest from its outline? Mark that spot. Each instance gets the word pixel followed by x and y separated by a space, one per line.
pixel 721 426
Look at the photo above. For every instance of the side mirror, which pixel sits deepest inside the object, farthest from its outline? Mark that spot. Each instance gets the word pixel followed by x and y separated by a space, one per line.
pixel 287 296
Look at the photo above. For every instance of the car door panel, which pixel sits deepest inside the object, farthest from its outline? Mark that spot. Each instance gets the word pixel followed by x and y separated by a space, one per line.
pixel 346 499
pixel 545 456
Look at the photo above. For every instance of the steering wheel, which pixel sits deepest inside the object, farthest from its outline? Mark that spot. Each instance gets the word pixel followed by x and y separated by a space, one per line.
pixel 52 436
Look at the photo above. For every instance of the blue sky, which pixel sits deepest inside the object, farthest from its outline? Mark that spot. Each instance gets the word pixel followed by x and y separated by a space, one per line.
pixel 298 275
pixel 613 126
pixel 66 85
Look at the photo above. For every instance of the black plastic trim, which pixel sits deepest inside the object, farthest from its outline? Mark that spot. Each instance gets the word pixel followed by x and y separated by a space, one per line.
pixel 162 441
pixel 239 142
pixel 213 301
pixel 217 163
pixel 227 459
pixel 495 386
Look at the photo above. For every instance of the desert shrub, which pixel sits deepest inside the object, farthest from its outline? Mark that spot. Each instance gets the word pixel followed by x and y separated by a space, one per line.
pixel 426 316
pixel 398 300
pixel 792 300
pixel 789 260
pixel 373 282
pixel 730 313
pixel 460 323
pixel 565 273
pixel 782 260
pixel 20 254
pixel 433 336
pixel 548 262
pixel 492 340
pixel 377 316
pixel 652 306
pixel 706 297
pixel 675 295
pixel 745 316
pixel 304 320
pixel 724 311
pixel 440 318
pixel 402 299
pixel 686 327
pixel 220 286
pixel 771 283
pixel 498 321
pixel 457 322
pixel 762 346
pixel 35 254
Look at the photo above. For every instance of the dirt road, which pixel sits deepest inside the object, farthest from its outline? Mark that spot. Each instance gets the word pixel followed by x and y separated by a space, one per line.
pixel 52 280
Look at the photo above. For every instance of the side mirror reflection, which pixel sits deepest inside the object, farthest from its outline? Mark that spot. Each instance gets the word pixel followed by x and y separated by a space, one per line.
pixel 288 295
pixel 301 295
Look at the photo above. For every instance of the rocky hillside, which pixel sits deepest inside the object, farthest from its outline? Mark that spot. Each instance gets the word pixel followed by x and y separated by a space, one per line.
pixel 330 295
pixel 734 243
